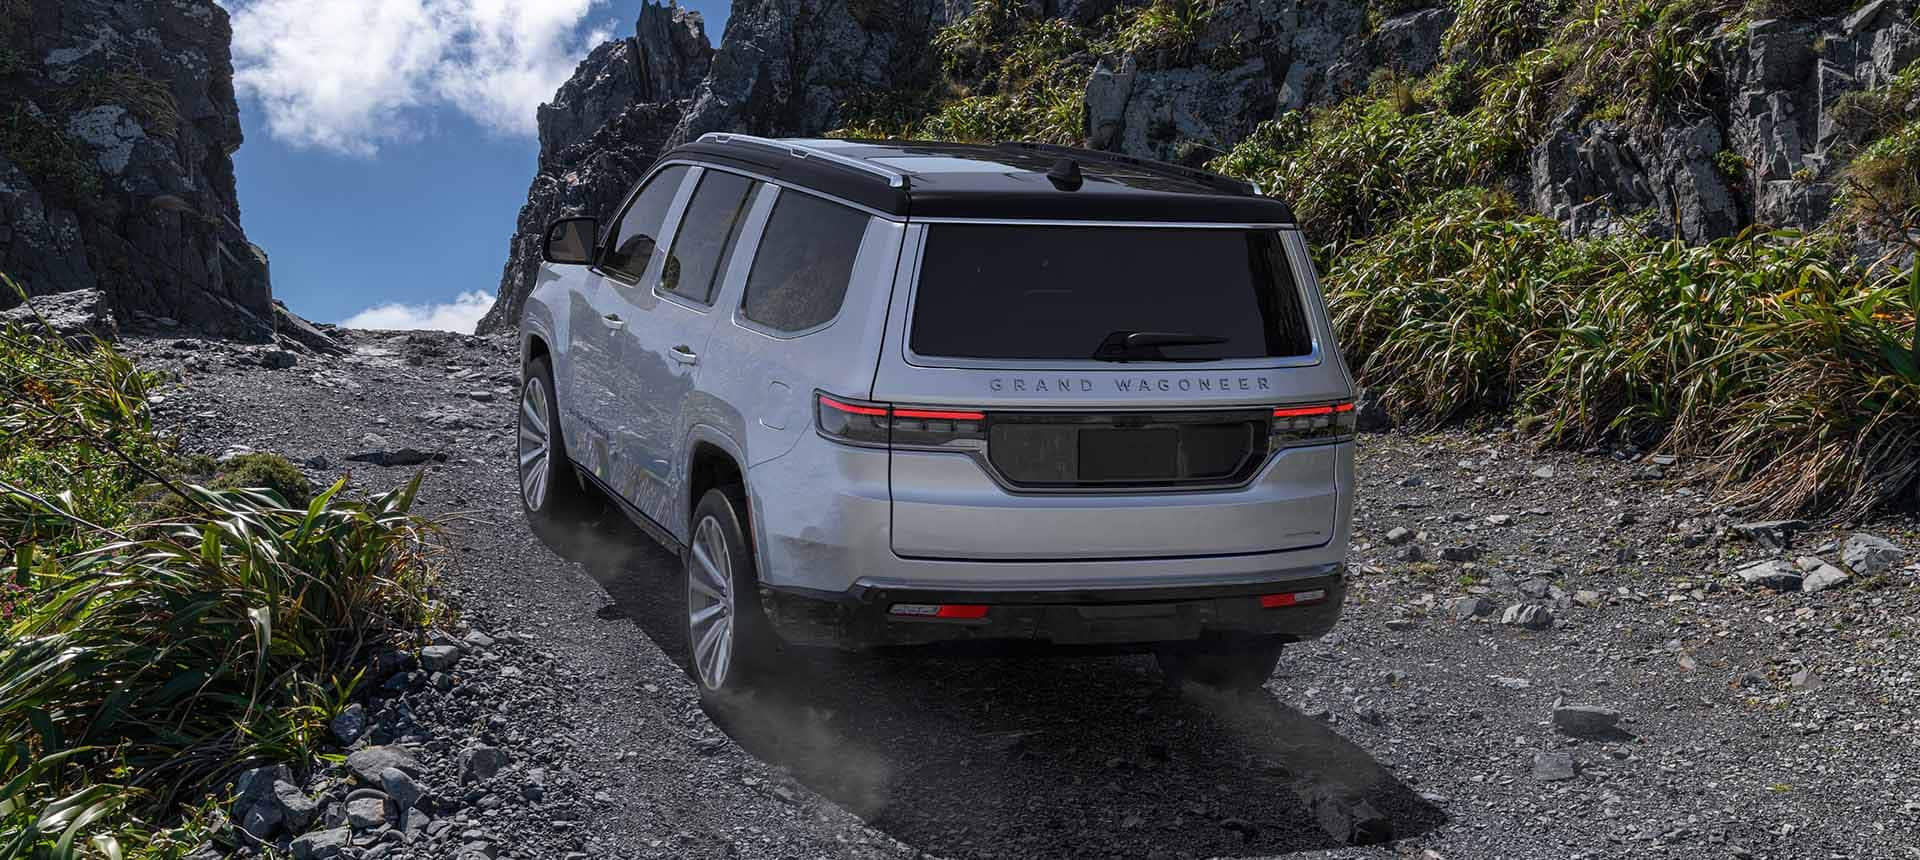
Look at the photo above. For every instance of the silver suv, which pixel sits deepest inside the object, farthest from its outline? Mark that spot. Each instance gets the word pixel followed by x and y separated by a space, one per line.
pixel 881 394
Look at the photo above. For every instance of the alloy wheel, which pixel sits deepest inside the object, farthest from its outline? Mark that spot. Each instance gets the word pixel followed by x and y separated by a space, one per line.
pixel 536 443
pixel 710 608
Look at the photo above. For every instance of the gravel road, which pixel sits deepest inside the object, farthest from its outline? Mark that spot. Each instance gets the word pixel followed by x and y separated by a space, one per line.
pixel 1728 719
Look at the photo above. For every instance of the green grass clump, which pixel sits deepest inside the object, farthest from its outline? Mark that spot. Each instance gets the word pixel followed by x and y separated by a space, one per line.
pixel 1007 73
pixel 1792 374
pixel 270 472
pixel 149 100
pixel 58 165
pixel 1162 33
pixel 142 662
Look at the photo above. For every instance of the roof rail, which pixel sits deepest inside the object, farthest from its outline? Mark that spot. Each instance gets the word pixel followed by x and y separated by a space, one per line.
pixel 894 178
pixel 1216 180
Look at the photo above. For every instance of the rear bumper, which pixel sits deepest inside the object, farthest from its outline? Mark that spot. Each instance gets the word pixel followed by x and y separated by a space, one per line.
pixel 1116 618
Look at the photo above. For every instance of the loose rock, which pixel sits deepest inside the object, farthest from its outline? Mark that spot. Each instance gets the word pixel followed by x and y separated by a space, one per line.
pixel 1586 720
pixel 1531 616
pixel 1869 555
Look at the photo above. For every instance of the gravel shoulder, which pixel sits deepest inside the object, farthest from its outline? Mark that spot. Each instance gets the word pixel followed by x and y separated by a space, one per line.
pixel 1728 718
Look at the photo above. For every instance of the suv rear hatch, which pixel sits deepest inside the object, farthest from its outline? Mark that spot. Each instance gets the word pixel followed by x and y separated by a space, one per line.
pixel 1109 392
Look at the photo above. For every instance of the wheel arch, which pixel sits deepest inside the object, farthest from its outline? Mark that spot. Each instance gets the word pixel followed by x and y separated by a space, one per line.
pixel 715 460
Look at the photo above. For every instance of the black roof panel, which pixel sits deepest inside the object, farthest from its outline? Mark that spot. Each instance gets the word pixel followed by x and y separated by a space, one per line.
pixel 921 179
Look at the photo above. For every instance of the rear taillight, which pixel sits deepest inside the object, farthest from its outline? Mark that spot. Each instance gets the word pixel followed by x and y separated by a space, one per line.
pixel 860 422
pixel 1304 425
pixel 1292 598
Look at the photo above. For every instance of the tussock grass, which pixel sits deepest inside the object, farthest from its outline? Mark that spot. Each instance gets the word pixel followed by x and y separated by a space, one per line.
pixel 1792 374
pixel 143 661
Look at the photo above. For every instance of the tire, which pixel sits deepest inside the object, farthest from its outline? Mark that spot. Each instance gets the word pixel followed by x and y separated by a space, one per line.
pixel 550 493
pixel 1240 670
pixel 729 643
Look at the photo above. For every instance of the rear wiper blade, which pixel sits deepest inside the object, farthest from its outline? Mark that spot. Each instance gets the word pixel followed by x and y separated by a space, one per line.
pixel 1133 345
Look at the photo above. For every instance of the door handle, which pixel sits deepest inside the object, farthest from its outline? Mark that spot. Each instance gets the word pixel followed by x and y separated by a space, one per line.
pixel 683 355
pixel 614 321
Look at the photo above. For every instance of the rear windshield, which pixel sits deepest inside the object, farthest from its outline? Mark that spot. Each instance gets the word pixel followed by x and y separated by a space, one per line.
pixel 1112 293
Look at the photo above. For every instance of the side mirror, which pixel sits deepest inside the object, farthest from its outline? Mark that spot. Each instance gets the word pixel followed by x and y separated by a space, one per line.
pixel 570 241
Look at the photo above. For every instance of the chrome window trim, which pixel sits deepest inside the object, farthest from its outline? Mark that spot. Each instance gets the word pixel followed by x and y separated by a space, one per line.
pixel 915 359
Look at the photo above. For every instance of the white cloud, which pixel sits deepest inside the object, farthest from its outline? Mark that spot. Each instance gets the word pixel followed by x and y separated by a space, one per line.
pixel 460 315
pixel 351 75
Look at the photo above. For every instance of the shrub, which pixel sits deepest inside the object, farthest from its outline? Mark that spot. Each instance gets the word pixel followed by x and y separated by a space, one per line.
pixel 1795 377
pixel 265 471
pixel 1161 33
pixel 141 664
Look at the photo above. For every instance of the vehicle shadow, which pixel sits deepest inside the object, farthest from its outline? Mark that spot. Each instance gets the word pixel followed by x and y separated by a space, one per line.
pixel 1061 757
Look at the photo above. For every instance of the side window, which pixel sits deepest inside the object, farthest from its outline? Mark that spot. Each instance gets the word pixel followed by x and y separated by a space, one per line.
pixel 801 270
pixel 639 228
pixel 701 247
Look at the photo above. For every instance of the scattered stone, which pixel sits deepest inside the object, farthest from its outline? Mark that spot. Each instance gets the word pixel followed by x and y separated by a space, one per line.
pixel 321 844
pixel 368 763
pixel 1459 553
pixel 480 396
pixel 1464 608
pixel 1869 555
pixel 1589 598
pixel 278 359
pixel 1772 534
pixel 481 762
pixel 1586 720
pixel 1399 535
pixel 297 810
pixel 476 639
pixel 1413 553
pixel 1823 577
pixel 367 813
pixel 1543 472
pixel 1530 616
pixel 1553 766
pixel 1500 520
pixel 1412 481
pixel 349 723
pixel 398 785
pixel 439 658
pixel 1536 587
pixel 1803 679
pixel 1772 573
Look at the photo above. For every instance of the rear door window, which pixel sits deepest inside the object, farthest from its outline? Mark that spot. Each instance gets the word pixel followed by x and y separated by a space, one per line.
pixel 631 250
pixel 993 291
pixel 701 247
pixel 805 259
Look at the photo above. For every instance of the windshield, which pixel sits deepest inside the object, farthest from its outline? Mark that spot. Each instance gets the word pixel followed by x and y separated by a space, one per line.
pixel 1009 291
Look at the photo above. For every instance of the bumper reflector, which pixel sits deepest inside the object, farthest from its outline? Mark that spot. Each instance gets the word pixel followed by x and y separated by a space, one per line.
pixel 1292 598
pixel 939 610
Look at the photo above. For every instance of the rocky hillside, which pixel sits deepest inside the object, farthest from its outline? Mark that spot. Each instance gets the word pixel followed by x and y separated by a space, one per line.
pixel 1755 126
pixel 117 127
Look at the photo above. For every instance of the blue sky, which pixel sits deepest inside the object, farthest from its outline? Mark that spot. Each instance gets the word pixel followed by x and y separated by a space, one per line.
pixel 390 142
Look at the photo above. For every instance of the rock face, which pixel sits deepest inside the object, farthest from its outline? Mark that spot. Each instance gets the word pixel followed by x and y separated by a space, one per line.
pixel 601 131
pixel 115 162
pixel 1773 160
